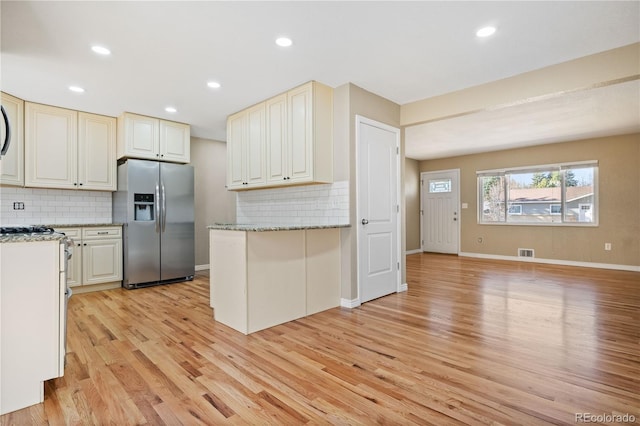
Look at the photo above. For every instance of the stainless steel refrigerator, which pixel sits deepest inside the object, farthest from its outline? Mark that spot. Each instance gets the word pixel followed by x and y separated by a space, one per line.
pixel 154 201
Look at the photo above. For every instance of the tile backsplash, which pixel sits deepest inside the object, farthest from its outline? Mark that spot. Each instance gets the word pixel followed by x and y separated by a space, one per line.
pixel 54 206
pixel 323 204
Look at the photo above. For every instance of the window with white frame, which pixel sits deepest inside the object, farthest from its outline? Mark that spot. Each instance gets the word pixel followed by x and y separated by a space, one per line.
pixel 562 194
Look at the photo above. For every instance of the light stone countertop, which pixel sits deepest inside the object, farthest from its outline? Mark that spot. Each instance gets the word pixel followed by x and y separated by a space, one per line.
pixel 30 238
pixel 82 225
pixel 264 227
pixel 34 238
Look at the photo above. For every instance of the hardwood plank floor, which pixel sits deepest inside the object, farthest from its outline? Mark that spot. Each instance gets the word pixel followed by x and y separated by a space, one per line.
pixel 471 342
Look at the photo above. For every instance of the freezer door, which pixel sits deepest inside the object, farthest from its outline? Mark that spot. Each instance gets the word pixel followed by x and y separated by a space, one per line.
pixel 142 233
pixel 177 253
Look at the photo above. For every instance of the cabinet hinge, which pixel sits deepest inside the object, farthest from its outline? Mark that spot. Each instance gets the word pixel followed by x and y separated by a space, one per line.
pixel 398 266
pixel 397 150
pixel 397 208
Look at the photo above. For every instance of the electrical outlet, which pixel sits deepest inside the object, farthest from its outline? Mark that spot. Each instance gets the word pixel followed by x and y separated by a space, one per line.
pixel 607 246
pixel 18 205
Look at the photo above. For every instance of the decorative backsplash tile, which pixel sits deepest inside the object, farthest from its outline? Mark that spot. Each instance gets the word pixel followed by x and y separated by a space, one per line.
pixel 323 204
pixel 53 206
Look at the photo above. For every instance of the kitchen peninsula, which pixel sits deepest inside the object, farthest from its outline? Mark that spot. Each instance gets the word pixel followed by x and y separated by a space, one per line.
pixel 265 275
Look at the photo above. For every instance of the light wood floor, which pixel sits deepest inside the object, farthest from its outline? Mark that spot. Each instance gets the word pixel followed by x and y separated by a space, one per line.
pixel 471 342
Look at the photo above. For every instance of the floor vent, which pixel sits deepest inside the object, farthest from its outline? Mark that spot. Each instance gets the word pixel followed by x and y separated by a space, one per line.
pixel 525 252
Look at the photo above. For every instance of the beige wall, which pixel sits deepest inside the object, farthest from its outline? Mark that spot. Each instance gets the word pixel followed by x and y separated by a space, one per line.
pixel 350 101
pixel 412 203
pixel 213 203
pixel 619 203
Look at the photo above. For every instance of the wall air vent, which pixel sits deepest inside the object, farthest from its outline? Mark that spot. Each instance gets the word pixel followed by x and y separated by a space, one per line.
pixel 525 252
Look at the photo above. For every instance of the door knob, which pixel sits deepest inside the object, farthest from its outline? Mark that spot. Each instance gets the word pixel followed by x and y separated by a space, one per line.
pixel 365 221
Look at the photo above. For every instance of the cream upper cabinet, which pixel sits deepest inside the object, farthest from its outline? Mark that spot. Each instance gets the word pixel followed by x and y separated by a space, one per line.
pixel 246 157
pixel 277 163
pixel 51 146
pixel 68 149
pixel 175 141
pixel 310 133
pixel 151 138
pixel 12 163
pixel 298 138
pixel 97 166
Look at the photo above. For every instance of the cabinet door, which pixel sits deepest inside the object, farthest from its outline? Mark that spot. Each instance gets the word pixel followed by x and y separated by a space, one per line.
pixel 300 133
pixel 277 140
pixel 256 144
pixel 51 148
pixel 12 164
pixel 97 165
pixel 236 150
pixel 74 265
pixel 140 137
pixel 175 141
pixel 102 261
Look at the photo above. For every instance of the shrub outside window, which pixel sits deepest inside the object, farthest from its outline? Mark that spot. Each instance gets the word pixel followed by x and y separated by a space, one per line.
pixel 559 194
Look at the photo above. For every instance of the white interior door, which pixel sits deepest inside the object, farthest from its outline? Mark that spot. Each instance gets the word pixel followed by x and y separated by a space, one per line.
pixel 378 209
pixel 440 211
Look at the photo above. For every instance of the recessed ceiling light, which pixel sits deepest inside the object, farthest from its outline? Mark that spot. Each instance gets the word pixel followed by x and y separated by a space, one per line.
pixel 486 31
pixel 170 109
pixel 76 89
pixel 284 41
pixel 101 50
pixel 213 84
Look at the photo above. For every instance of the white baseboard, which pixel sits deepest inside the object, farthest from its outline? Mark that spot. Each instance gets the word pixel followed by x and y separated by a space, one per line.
pixel 416 251
pixel 202 267
pixel 554 261
pixel 353 303
pixel 403 287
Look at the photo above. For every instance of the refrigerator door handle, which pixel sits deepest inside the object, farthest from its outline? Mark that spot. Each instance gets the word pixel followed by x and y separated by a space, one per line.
pixel 157 204
pixel 164 209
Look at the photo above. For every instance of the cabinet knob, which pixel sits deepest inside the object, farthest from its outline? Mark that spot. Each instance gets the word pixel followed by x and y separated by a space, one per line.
pixel 80 184
pixel 84 244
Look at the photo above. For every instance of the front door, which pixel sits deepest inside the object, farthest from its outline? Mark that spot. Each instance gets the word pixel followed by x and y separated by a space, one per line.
pixel 378 209
pixel 440 214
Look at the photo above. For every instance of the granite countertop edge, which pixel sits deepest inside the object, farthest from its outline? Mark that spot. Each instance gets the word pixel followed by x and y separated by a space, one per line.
pixel 265 228
pixel 34 238
pixel 82 225
pixel 31 238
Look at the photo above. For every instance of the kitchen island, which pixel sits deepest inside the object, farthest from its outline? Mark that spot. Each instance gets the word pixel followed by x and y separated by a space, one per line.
pixel 32 316
pixel 265 275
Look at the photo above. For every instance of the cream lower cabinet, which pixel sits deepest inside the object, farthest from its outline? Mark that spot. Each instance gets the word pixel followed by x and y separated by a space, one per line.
pixel 262 279
pixel 12 164
pixel 68 149
pixel 298 140
pixel 151 138
pixel 96 263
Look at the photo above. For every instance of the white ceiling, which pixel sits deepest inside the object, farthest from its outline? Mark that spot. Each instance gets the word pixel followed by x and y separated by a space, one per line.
pixel 163 53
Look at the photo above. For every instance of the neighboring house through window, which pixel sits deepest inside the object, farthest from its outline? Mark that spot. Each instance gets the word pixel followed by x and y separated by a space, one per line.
pixel 538 195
